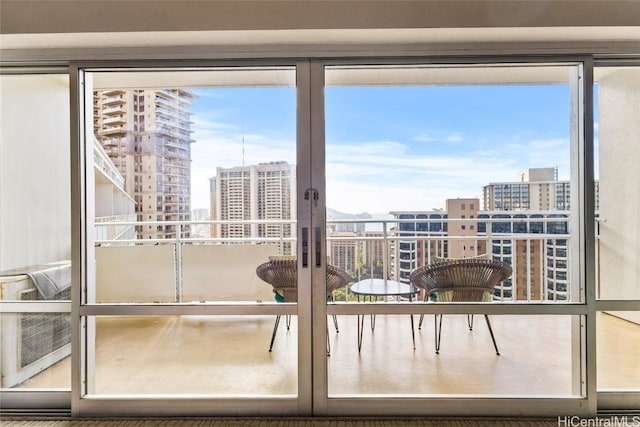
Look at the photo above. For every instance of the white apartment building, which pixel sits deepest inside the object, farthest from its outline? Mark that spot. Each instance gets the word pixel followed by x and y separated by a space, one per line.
pixel 257 192
pixel 147 135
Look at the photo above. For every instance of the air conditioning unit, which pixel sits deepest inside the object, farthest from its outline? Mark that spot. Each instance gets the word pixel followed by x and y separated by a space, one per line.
pixel 31 342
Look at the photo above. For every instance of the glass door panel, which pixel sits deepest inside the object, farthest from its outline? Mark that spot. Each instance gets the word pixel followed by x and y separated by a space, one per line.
pixel 617 225
pixel 35 237
pixel 441 164
pixel 194 195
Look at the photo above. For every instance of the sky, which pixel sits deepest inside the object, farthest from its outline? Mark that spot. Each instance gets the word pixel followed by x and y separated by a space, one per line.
pixel 389 148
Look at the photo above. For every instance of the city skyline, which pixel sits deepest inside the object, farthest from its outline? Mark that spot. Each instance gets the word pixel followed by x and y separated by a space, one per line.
pixel 388 145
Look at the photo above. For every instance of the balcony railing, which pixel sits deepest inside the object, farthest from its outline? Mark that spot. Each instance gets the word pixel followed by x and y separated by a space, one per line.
pixel 101 161
pixel 389 252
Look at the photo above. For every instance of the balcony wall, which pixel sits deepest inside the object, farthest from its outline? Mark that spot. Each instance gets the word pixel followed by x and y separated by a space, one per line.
pixel 148 273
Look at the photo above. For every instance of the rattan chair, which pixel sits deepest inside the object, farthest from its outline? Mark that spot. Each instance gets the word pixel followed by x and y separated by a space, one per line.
pixel 461 280
pixel 282 275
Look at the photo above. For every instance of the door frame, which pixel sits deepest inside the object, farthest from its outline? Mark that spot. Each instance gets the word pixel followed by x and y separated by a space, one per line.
pixel 83 314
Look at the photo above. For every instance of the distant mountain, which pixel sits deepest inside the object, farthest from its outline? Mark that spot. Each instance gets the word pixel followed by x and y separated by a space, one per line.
pixel 334 214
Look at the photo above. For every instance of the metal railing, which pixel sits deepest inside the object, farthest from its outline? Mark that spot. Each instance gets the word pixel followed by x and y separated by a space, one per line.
pixel 387 252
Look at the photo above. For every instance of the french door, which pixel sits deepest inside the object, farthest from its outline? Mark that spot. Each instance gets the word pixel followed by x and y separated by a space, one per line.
pixel 188 178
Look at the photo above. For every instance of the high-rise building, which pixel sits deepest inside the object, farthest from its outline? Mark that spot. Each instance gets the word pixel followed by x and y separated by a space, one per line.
pixel 540 263
pixel 250 193
pixel 147 136
pixel 538 189
pixel 416 242
pixel 373 253
pixel 459 210
pixel 343 252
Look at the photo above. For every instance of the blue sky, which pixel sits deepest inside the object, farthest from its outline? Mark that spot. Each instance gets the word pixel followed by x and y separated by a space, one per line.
pixel 390 148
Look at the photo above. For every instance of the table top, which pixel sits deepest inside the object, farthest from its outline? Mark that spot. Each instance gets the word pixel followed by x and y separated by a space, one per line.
pixel 382 287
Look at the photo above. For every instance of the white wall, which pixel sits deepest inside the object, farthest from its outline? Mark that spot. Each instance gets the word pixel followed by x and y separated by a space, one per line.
pixel 35 212
pixel 619 153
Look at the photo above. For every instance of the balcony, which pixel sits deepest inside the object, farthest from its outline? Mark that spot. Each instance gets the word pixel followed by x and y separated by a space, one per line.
pixel 115 120
pixel 112 130
pixel 113 100
pixel 228 354
pixel 119 110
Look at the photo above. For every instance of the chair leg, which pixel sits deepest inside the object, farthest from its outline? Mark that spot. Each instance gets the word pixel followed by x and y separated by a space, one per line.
pixel 288 322
pixel 273 335
pixel 438 332
pixel 470 321
pixel 486 317
pixel 328 341
pixel 335 323
pixel 425 299
pixel 413 332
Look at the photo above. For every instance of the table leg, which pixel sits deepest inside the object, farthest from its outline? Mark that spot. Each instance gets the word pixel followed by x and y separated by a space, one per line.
pixel 373 317
pixel 360 330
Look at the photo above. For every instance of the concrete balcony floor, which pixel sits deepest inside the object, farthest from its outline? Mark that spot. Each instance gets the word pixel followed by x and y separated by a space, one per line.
pixel 228 355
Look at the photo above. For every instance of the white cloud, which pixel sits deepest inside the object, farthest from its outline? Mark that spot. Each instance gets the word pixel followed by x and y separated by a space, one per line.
pixel 225 145
pixel 378 176
pixel 448 138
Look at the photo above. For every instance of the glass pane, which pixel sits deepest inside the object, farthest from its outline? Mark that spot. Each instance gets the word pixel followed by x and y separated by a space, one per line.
pixel 618 335
pixel 196 184
pixel 452 184
pixel 213 355
pixel 428 164
pixel 535 356
pixel 36 350
pixel 35 216
pixel 617 200
pixel 35 229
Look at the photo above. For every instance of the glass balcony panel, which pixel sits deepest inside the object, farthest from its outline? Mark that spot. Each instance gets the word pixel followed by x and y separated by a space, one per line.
pixel 618 350
pixel 204 355
pixel 35 350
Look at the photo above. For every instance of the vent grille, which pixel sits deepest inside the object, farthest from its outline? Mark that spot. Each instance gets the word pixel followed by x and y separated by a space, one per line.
pixel 43 333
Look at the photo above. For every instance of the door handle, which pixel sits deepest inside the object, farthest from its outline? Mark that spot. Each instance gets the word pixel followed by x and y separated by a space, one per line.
pixel 312 194
pixel 318 248
pixel 305 247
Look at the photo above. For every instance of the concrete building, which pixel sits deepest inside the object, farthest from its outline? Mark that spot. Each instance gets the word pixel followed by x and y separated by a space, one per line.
pixel 458 210
pixel 147 135
pixel 257 192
